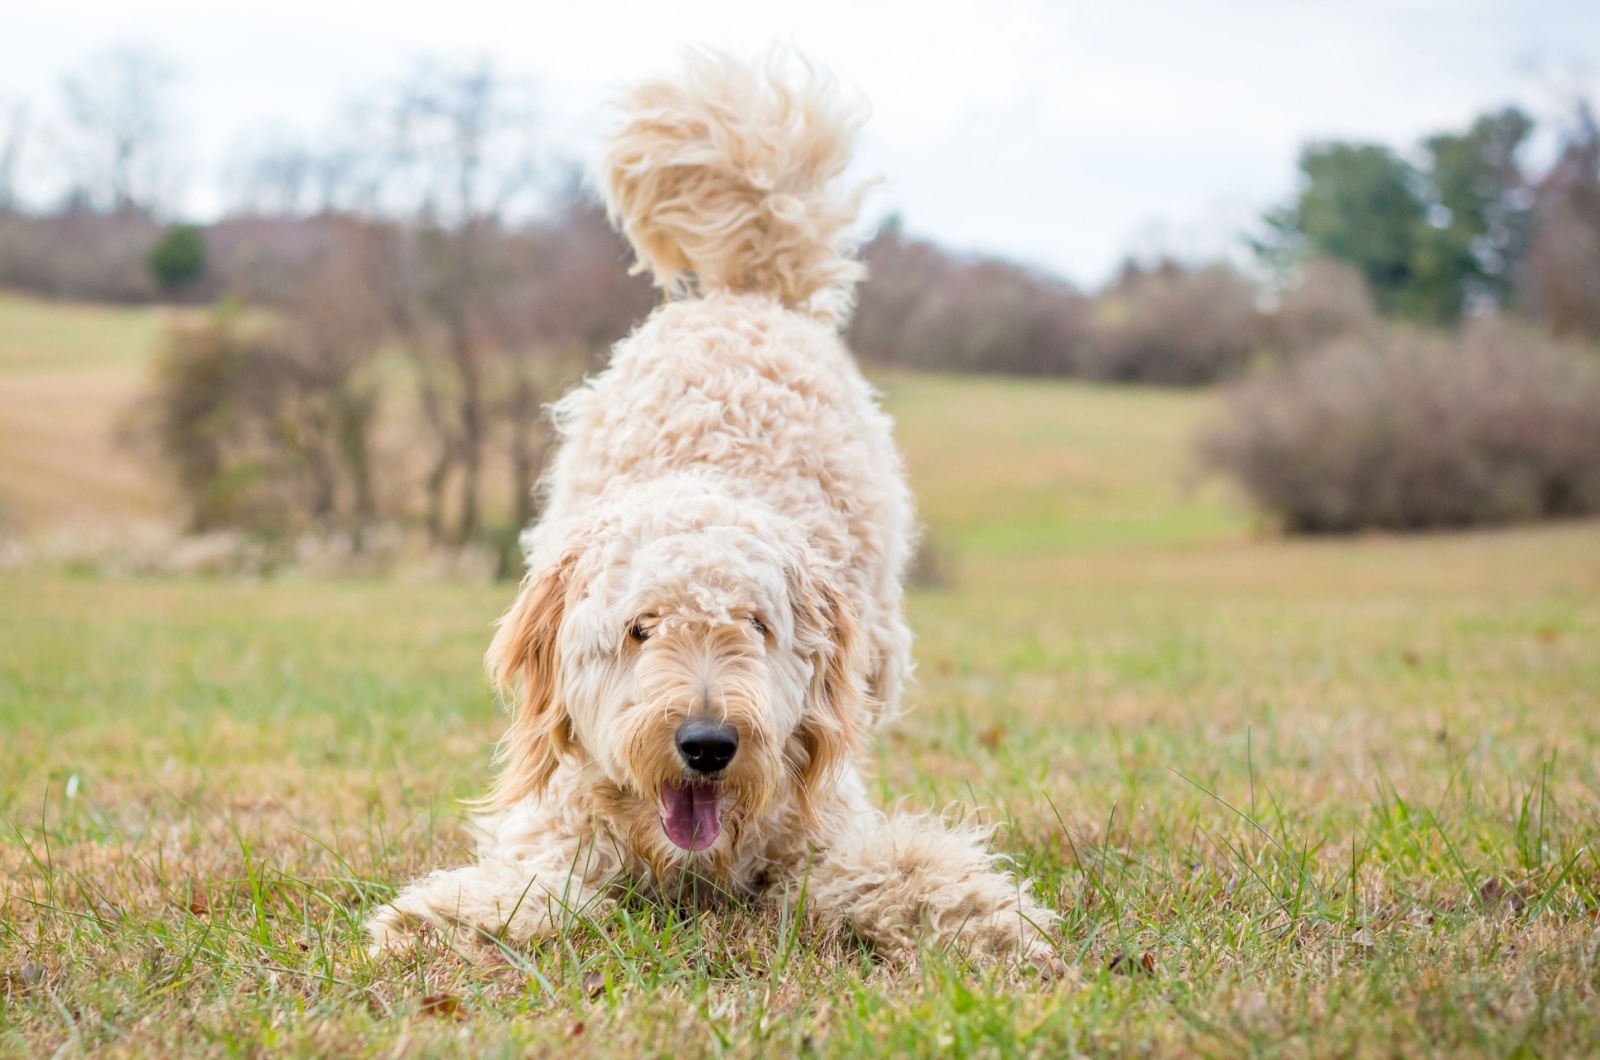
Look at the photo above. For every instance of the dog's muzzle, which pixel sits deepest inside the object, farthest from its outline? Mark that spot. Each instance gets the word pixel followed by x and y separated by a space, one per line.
pixel 691 810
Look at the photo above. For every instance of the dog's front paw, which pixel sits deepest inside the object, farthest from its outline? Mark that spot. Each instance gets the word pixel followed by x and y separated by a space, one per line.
pixel 398 932
pixel 395 933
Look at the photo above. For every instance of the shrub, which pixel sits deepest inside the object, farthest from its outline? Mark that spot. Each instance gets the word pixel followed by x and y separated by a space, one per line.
pixel 1411 431
pixel 179 258
pixel 924 307
pixel 1175 326
pixel 1330 302
pixel 265 419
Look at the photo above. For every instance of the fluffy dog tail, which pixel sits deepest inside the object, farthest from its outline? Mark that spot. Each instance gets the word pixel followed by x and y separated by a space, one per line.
pixel 725 180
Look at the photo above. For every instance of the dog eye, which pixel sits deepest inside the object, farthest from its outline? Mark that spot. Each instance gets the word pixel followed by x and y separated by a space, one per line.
pixel 760 626
pixel 638 632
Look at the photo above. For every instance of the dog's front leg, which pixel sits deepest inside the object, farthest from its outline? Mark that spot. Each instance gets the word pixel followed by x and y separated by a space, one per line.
pixel 512 894
pixel 909 879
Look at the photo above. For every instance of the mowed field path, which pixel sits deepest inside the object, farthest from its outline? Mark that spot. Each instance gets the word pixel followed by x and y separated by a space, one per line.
pixel 69 376
pixel 1317 797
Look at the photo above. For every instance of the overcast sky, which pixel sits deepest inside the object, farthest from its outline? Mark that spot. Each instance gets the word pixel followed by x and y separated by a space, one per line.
pixel 1064 134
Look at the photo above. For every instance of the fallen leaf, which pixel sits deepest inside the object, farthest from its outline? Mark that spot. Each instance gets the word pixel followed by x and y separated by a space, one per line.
pixel 576 1030
pixel 199 902
pixel 594 984
pixel 1128 964
pixel 441 1006
pixel 1494 894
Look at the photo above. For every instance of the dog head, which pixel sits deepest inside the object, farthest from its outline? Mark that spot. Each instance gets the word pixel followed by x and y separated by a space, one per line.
pixel 689 648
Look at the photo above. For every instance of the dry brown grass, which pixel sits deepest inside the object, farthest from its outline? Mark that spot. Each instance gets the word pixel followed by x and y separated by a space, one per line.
pixel 68 374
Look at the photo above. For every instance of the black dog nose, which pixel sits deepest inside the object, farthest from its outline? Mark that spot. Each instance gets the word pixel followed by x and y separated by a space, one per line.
pixel 707 746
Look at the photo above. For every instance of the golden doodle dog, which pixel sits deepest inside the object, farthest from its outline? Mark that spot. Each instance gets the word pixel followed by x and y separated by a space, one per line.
pixel 710 629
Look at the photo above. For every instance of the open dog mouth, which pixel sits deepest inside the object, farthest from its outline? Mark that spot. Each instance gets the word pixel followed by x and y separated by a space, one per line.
pixel 691 812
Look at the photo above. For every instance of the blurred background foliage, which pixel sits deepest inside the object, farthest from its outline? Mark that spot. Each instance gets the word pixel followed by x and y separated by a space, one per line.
pixel 374 328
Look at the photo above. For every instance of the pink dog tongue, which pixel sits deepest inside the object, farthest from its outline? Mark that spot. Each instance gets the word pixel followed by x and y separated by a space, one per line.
pixel 691 813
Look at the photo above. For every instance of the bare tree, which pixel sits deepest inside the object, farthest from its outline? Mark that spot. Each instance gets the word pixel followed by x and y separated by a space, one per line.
pixel 13 138
pixel 572 297
pixel 425 229
pixel 1563 271
pixel 266 420
pixel 272 178
pixel 119 113
pixel 347 169
pixel 464 157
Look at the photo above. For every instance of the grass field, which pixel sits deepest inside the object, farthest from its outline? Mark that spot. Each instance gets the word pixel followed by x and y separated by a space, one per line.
pixel 1291 797
pixel 68 374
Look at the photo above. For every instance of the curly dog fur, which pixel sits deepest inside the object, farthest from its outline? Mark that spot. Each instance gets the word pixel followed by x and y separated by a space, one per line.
pixel 724 542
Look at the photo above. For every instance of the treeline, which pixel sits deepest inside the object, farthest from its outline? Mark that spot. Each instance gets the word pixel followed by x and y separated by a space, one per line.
pixel 926 308
pixel 1468 233
pixel 396 304
pixel 923 306
pixel 379 354
pixel 1475 417
pixel 362 373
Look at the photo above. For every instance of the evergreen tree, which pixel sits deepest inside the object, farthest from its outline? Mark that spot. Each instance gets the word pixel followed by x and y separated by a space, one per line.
pixel 1430 239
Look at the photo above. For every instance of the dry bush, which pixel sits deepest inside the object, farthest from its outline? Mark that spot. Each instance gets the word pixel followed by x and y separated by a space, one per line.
pixel 266 420
pixel 990 316
pixel 1330 302
pixel 1176 326
pixel 265 259
pixel 270 421
pixel 923 307
pixel 1415 431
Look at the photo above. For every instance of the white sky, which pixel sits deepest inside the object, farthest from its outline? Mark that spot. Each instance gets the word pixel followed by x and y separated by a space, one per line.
pixel 1064 134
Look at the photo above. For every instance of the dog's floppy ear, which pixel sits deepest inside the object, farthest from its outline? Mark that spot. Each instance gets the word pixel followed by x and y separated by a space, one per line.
pixel 522 662
pixel 834 723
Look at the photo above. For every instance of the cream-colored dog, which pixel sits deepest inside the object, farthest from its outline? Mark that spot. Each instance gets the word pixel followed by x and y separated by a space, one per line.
pixel 711 629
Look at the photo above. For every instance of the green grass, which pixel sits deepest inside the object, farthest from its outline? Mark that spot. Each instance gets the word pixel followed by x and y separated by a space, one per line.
pixel 1035 466
pixel 1330 797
